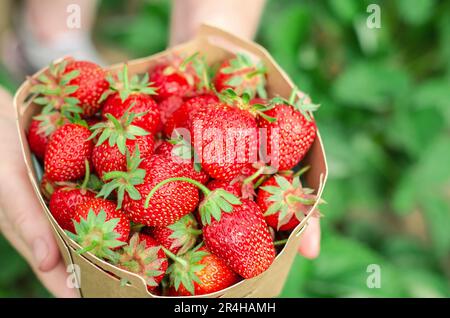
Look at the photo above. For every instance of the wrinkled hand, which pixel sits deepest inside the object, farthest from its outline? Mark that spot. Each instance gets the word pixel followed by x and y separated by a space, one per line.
pixel 22 221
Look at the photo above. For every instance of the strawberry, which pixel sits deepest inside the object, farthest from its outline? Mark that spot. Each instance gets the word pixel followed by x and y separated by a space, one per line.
pixel 40 130
pixel 179 152
pixel 242 75
pixel 116 138
pixel 284 201
pixel 179 237
pixel 121 225
pixel 234 188
pixel 181 118
pixel 91 82
pixel 225 139
pixel 167 206
pixel 144 256
pixel 199 272
pixel 290 137
pixel 167 107
pixel 173 77
pixel 67 151
pixel 233 230
pixel 133 95
pixel 71 87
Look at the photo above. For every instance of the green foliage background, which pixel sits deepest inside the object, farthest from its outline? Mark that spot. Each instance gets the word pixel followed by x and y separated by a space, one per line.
pixel 385 119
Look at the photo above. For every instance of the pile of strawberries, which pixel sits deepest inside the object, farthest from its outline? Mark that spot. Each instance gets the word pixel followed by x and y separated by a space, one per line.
pixel 184 175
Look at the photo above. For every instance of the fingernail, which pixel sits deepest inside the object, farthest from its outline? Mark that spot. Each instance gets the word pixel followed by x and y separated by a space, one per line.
pixel 40 251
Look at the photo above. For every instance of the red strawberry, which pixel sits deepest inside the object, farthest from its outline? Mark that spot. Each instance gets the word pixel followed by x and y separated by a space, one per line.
pixel 71 87
pixel 173 77
pixel 179 237
pixel 179 153
pixel 97 204
pixel 167 206
pixel 91 82
pixel 64 202
pixel 234 188
pixel 67 153
pixel 291 135
pixel 284 201
pixel 198 273
pixel 116 138
pixel 100 228
pixel 181 118
pixel 242 75
pixel 40 130
pixel 168 106
pixel 133 95
pixel 144 256
pixel 225 139
pixel 234 230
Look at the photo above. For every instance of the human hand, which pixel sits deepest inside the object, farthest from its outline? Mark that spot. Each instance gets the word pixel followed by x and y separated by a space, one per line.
pixel 22 221
pixel 310 240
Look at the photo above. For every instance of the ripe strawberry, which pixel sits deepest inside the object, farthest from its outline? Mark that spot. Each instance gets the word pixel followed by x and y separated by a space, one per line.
pixel 116 138
pixel 284 201
pixel 91 82
pixel 40 130
pixel 234 229
pixel 291 135
pixel 67 152
pixel 133 95
pixel 199 272
pixel 167 107
pixel 173 77
pixel 179 152
pixel 234 188
pixel 181 118
pixel 64 202
pixel 120 227
pixel 168 205
pixel 144 256
pixel 71 87
pixel 242 75
pixel 179 237
pixel 225 139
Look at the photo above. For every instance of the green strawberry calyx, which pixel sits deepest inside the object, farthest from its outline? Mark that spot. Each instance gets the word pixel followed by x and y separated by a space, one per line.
pixel 183 150
pixel 137 258
pixel 246 75
pixel 118 131
pixel 125 181
pixel 213 205
pixel 125 85
pixel 288 199
pixel 230 97
pixel 184 268
pixel 302 105
pixel 96 235
pixel 184 233
pixel 49 121
pixel 53 92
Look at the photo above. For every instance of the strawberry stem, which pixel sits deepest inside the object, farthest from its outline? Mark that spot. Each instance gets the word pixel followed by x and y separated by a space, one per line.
pixel 301 171
pixel 199 185
pixel 280 242
pixel 175 258
pixel 255 175
pixel 86 175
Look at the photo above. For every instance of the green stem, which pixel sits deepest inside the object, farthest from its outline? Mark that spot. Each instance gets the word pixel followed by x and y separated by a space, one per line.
pixel 259 182
pixel 301 171
pixel 93 245
pixel 86 175
pixel 195 231
pixel 280 242
pixel 204 189
pixel 293 95
pixel 126 84
pixel 175 258
pixel 254 176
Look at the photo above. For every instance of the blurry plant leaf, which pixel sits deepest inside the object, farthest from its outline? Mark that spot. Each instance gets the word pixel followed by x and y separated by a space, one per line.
pixel 371 86
pixel 417 12
pixel 346 10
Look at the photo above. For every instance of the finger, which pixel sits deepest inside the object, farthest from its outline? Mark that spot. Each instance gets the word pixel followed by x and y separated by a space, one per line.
pixel 310 240
pixel 28 221
pixel 55 279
